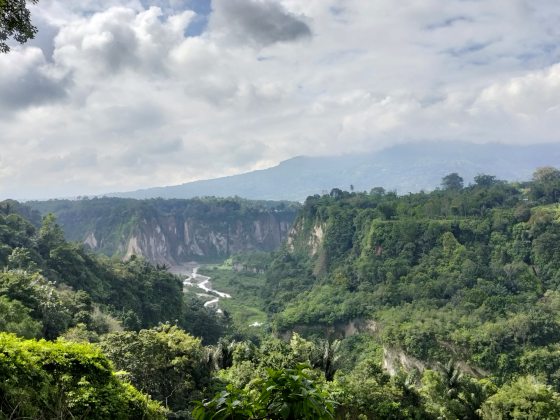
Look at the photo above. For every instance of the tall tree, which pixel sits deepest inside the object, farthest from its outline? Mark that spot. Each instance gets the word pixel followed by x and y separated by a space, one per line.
pixel 483 180
pixel 165 362
pixel 546 185
pixel 50 235
pixel 15 22
pixel 546 174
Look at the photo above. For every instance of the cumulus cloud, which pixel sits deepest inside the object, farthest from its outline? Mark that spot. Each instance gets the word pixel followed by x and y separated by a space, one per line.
pixel 123 94
pixel 26 79
pixel 533 94
pixel 258 22
pixel 119 38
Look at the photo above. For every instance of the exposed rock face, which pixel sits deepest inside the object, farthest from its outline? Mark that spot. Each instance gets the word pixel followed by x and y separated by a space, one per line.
pixel 334 331
pixel 309 239
pixel 91 240
pixel 395 360
pixel 172 240
pixel 172 232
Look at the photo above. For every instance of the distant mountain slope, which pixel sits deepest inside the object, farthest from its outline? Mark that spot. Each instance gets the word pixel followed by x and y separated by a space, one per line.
pixel 404 168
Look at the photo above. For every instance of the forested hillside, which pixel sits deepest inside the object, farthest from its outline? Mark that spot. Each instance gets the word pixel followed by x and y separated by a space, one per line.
pixel 441 305
pixel 49 285
pixel 469 274
pixel 56 290
pixel 173 231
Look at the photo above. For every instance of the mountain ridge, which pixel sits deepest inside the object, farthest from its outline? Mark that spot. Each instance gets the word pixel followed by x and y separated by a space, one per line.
pixel 404 168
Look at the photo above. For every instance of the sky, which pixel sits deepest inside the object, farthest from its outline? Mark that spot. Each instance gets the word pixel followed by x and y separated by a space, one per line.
pixel 115 95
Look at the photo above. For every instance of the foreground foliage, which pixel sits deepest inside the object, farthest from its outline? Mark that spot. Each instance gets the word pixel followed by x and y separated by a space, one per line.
pixel 45 380
pixel 164 362
pixel 287 394
pixel 15 22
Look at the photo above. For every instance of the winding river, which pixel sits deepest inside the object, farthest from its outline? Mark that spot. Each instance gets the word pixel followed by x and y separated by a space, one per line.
pixel 203 282
pixel 207 292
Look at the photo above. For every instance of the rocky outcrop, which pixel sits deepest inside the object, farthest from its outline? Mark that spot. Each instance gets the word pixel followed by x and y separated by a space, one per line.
pixel 395 360
pixel 91 240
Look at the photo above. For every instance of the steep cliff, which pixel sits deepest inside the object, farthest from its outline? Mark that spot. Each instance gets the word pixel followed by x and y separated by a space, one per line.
pixel 306 236
pixel 173 231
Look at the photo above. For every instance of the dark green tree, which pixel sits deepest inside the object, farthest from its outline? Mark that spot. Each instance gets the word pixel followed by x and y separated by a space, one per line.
pixel 15 22
pixel 546 185
pixel 526 398
pixel 50 235
pixel 452 182
pixel 485 180
pixel 164 362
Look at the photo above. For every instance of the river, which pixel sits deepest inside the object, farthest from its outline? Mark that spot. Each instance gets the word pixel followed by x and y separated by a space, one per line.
pixel 199 281
pixel 203 282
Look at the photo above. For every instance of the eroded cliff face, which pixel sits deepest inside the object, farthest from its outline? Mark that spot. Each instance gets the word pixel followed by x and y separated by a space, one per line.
pixel 174 239
pixel 334 331
pixel 395 360
pixel 174 231
pixel 305 237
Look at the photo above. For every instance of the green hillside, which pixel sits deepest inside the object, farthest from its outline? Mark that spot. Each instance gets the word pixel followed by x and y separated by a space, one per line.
pixel 441 305
pixel 468 274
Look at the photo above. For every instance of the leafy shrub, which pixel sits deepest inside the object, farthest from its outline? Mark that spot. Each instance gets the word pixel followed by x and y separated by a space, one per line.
pixel 44 380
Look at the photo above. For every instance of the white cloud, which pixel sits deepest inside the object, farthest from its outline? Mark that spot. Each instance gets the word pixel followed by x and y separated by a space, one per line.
pixel 531 95
pixel 117 39
pixel 119 97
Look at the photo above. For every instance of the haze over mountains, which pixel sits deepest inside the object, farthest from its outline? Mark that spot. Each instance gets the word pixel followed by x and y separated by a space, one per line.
pixel 404 168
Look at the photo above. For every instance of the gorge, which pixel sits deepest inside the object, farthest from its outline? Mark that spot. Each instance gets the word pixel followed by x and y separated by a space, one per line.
pixel 172 232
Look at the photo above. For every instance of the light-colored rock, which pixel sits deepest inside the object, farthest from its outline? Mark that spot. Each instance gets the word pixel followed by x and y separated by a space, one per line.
pixel 91 240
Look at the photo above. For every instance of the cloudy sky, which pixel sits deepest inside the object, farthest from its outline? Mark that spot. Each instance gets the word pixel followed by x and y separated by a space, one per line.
pixel 116 95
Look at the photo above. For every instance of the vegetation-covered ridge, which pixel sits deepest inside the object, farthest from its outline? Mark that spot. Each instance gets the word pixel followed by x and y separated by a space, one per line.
pixel 464 273
pixel 49 286
pixel 173 231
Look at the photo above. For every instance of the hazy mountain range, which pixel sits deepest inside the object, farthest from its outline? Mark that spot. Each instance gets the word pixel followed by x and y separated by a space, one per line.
pixel 404 168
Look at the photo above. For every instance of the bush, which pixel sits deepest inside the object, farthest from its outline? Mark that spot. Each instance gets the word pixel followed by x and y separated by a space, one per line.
pixel 43 380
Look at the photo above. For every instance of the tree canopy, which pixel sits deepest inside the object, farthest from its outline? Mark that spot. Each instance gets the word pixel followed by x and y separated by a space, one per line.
pixel 452 182
pixel 15 22
pixel 45 380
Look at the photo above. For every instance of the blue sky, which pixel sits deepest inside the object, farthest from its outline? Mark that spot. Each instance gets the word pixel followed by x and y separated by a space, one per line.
pixel 123 94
